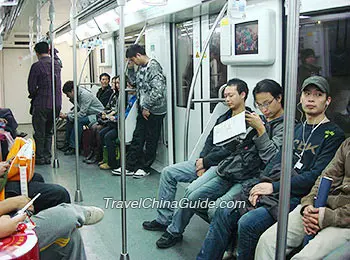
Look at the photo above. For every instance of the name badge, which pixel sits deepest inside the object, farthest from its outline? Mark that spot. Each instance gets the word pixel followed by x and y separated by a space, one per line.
pixel 298 165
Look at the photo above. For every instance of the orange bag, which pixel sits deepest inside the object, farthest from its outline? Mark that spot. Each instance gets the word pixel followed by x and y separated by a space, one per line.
pixel 23 154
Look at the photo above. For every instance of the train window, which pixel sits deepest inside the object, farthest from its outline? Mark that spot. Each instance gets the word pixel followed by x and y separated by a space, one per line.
pixel 324 49
pixel 184 61
pixel 218 71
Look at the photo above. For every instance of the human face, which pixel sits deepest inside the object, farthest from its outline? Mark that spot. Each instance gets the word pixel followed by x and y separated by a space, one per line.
pixel 268 105
pixel 233 99
pixel 116 84
pixel 104 81
pixel 70 95
pixel 137 59
pixel 313 101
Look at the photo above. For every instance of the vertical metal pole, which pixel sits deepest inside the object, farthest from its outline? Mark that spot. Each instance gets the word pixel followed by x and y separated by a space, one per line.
pixel 194 79
pixel 288 124
pixel 121 131
pixel 55 163
pixel 38 22
pixel 74 23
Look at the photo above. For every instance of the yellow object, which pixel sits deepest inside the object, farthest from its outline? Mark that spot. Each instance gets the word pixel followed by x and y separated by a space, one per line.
pixel 23 154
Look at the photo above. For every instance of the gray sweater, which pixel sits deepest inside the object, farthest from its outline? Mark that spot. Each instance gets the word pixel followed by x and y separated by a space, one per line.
pixel 88 105
pixel 150 87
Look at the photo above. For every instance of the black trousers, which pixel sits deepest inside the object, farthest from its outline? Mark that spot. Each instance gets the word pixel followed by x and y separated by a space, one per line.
pixel 51 194
pixel 109 136
pixel 143 148
pixel 43 129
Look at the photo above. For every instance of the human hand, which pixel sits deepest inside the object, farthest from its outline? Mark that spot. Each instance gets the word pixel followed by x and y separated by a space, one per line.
pixel 255 121
pixel 145 113
pixel 310 220
pixel 200 172
pixel 3 167
pixel 3 120
pixel 8 225
pixel 63 115
pixel 199 164
pixel 19 202
pixel 264 188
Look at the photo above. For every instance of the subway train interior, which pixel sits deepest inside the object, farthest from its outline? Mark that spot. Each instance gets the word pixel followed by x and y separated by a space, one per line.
pixel 200 45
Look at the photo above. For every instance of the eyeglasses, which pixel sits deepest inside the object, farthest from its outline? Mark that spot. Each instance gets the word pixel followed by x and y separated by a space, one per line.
pixel 264 105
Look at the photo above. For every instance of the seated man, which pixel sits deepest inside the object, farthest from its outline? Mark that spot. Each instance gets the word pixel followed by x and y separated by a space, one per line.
pixel 58 223
pixel 261 143
pixel 329 223
pixel 105 91
pixel 7 117
pixel 88 107
pixel 236 93
pixel 315 143
pixel 51 194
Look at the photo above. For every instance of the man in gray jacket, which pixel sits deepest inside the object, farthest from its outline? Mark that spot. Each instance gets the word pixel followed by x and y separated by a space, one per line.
pixel 151 97
pixel 88 107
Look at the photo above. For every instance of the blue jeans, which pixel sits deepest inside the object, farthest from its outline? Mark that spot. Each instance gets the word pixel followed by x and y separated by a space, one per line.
pixel 228 223
pixel 169 178
pixel 208 187
pixel 70 136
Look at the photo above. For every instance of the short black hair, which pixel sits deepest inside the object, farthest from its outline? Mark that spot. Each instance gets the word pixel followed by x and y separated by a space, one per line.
pixel 105 75
pixel 68 87
pixel 269 86
pixel 115 77
pixel 42 48
pixel 135 49
pixel 240 85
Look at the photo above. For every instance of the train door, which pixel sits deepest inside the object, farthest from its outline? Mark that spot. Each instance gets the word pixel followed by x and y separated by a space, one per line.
pixel 188 41
pixel 186 51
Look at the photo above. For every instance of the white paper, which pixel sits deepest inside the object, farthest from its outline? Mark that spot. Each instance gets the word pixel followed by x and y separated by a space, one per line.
pixel 230 128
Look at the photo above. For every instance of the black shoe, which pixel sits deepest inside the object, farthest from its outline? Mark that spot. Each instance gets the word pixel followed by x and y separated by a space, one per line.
pixel 93 160
pixel 70 151
pixel 65 148
pixel 47 160
pixel 168 240
pixel 40 161
pixel 21 134
pixel 154 226
pixel 89 157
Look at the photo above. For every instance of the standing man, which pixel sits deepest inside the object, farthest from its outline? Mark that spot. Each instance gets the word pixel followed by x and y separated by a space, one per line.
pixel 151 94
pixel 40 93
pixel 105 92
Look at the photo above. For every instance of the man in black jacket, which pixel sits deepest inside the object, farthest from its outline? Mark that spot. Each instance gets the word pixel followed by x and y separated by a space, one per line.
pixel 105 92
pixel 236 93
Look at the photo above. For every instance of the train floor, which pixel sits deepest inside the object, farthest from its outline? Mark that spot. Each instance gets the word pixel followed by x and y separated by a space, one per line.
pixel 104 240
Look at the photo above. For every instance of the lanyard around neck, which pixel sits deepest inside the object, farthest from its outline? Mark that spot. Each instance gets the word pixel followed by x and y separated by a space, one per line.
pixel 312 131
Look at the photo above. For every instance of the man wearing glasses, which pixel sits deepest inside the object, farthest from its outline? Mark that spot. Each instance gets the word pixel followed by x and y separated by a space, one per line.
pixel 252 152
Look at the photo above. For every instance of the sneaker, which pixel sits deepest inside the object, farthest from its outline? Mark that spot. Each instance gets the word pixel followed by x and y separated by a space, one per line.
pixel 154 226
pixel 92 215
pixel 119 172
pixel 100 162
pixel 105 166
pixel 140 174
pixel 168 240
